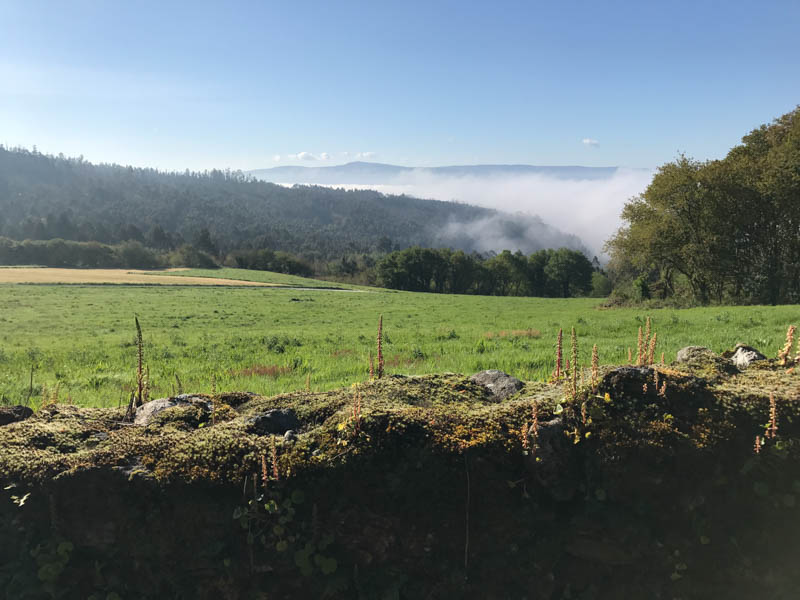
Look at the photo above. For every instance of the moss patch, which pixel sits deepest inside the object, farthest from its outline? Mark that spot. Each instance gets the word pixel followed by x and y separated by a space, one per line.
pixel 420 487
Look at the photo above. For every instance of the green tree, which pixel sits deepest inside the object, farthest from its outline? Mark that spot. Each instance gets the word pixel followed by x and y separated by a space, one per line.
pixel 570 270
pixel 731 227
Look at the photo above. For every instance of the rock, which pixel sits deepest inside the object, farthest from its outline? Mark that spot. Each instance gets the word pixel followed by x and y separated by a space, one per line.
pixel 742 356
pixel 500 385
pixel 96 438
pixel 13 414
pixel 694 354
pixel 628 382
pixel 699 357
pixel 234 399
pixel 683 390
pixel 290 436
pixel 274 422
pixel 147 411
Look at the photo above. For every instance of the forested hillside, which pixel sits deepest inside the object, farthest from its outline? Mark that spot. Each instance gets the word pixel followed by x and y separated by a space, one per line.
pixel 45 197
pixel 723 230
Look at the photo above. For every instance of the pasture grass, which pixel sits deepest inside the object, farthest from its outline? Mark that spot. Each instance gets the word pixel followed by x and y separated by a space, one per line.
pixel 270 340
pixel 258 276
pixel 51 275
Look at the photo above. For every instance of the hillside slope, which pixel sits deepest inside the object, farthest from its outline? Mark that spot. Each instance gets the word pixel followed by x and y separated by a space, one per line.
pixel 45 197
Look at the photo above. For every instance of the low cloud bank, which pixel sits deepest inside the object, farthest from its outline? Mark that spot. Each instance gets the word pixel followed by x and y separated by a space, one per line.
pixel 507 232
pixel 587 208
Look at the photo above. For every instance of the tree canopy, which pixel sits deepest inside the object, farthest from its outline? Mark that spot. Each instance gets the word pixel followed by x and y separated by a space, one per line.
pixel 729 228
pixel 556 273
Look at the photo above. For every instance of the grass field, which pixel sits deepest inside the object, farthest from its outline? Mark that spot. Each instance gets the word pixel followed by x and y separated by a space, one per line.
pixel 48 275
pixel 81 338
pixel 254 276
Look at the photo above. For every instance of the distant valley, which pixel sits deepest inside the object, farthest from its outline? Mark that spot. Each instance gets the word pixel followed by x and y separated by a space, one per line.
pixel 45 197
pixel 584 201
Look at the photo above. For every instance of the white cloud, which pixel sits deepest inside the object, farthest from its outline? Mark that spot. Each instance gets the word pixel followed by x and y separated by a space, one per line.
pixel 277 158
pixel 305 156
pixel 589 208
pixel 365 155
pixel 324 156
pixel 590 142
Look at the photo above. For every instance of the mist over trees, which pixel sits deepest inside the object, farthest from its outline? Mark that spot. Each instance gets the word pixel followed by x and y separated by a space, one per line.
pixel 46 197
pixel 719 231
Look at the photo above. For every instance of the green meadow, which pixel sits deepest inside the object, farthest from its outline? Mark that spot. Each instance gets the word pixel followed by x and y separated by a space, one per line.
pixel 80 339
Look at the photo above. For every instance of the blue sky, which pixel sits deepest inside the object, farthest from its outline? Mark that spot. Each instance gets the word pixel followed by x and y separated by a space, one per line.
pixel 256 84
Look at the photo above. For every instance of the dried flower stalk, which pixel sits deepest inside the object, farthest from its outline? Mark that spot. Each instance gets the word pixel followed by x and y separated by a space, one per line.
pixel 559 352
pixel 356 413
pixel 380 347
pixel 772 428
pixel 274 452
pixel 574 371
pixel 534 429
pixel 651 354
pixel 783 355
pixel 139 366
pixel 640 348
pixel 264 471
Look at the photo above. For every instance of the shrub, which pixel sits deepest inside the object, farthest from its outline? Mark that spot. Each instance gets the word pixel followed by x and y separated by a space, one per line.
pixel 601 285
pixel 189 256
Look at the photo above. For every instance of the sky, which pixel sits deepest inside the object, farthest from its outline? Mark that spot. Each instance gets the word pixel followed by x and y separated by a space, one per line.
pixel 247 85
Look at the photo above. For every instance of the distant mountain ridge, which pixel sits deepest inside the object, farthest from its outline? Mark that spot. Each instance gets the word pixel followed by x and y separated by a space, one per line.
pixel 366 173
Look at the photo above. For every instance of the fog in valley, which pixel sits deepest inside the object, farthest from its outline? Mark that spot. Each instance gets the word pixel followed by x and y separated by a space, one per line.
pixel 588 207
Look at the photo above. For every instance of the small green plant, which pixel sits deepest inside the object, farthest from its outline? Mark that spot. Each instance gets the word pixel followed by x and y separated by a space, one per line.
pixel 272 520
pixel 179 385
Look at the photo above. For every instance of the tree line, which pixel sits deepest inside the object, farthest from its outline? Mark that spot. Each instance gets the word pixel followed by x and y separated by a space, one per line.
pixel 135 255
pixel 559 273
pixel 66 253
pixel 720 230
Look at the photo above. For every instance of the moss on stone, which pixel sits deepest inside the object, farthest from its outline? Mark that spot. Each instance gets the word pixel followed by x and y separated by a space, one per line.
pixel 621 475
